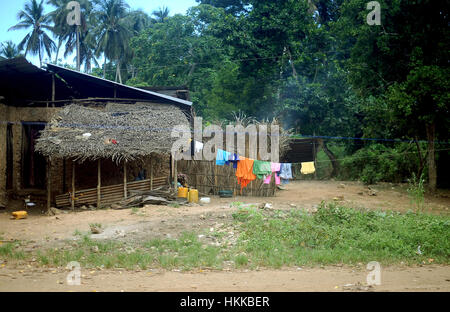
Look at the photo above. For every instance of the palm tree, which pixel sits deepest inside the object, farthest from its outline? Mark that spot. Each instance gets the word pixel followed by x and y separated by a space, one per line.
pixel 61 29
pixel 9 50
pixel 88 55
pixel 37 39
pixel 161 14
pixel 137 21
pixel 112 33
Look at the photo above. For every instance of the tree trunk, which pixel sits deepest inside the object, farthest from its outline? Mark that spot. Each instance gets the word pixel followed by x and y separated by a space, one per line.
pixel 432 171
pixel 104 68
pixel 331 156
pixel 40 58
pixel 57 50
pixel 291 61
pixel 118 73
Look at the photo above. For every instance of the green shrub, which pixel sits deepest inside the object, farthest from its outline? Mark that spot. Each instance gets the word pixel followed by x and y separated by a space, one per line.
pixel 416 191
pixel 378 163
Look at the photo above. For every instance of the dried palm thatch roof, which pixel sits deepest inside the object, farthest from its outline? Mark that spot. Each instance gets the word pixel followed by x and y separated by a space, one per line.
pixel 118 131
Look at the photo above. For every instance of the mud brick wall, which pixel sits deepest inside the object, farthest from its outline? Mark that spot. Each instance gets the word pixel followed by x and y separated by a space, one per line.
pixel 3 125
pixel 17 115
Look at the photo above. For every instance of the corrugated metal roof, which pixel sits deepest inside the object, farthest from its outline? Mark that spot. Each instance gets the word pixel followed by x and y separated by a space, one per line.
pixel 22 83
pixel 84 83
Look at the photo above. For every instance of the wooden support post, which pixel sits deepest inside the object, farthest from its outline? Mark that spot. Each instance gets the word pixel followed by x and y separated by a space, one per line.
pixel 175 174
pixel 315 158
pixel 49 186
pixel 125 192
pixel 216 187
pixel 53 90
pixel 151 173
pixel 73 185
pixel 99 183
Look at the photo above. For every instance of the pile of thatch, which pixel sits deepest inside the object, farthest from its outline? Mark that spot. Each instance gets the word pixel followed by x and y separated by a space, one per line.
pixel 118 131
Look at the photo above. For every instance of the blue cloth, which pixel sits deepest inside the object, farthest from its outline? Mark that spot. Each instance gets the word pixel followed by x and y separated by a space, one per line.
pixel 221 157
pixel 286 171
pixel 234 159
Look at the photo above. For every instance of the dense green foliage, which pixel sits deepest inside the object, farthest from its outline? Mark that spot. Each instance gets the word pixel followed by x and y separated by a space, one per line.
pixel 315 65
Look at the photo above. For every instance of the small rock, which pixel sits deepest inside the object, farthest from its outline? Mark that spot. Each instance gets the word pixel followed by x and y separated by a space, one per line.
pixel 55 211
pixel 84 207
pixel 202 217
pixel 95 229
pixel 120 233
pixel 342 185
pixel 265 206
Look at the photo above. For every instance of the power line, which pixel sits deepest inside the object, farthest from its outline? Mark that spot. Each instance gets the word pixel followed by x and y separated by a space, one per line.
pixel 174 129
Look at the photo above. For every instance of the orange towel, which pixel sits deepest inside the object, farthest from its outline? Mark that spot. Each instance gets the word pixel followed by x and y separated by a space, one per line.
pixel 244 172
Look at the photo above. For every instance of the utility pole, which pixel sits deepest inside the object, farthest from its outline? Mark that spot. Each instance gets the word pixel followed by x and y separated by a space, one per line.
pixel 74 19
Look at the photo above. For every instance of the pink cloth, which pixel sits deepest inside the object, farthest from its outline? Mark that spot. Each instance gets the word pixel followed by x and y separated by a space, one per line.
pixel 275 168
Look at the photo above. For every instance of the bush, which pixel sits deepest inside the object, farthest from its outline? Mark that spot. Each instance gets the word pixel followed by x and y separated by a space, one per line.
pixel 378 163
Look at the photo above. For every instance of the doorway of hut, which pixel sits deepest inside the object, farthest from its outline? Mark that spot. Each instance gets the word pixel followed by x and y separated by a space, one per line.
pixel 9 156
pixel 34 165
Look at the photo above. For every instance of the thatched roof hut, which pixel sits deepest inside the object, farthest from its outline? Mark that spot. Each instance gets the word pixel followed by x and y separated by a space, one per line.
pixel 121 132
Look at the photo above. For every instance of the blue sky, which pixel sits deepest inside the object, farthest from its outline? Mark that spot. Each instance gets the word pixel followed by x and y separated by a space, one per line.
pixel 10 8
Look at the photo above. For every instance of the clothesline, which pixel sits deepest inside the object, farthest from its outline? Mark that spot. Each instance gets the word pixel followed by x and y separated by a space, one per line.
pixel 198 146
pixel 249 169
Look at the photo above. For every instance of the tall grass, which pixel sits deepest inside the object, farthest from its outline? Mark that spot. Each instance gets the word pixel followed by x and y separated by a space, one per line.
pixel 337 234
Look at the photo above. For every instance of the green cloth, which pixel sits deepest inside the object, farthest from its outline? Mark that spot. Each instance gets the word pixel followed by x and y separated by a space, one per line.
pixel 261 169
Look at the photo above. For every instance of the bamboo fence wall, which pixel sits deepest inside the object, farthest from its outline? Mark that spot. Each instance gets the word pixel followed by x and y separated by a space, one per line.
pixel 209 179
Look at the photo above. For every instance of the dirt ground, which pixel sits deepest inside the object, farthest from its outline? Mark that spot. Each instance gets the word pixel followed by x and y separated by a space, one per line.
pixel 159 221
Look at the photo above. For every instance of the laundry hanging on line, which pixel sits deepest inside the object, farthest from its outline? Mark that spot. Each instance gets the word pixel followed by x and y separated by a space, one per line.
pixel 286 172
pixel 262 169
pixel 244 172
pixel 221 157
pixel 276 167
pixel 308 167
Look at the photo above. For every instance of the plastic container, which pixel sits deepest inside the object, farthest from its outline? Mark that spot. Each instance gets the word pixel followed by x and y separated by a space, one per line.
pixel 20 214
pixel 225 193
pixel 193 196
pixel 183 192
pixel 205 200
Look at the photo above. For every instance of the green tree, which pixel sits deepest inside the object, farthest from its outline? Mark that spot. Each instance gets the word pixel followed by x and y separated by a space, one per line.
pixel 64 32
pixel 421 105
pixel 402 66
pixel 36 41
pixel 161 14
pixel 9 50
pixel 112 33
